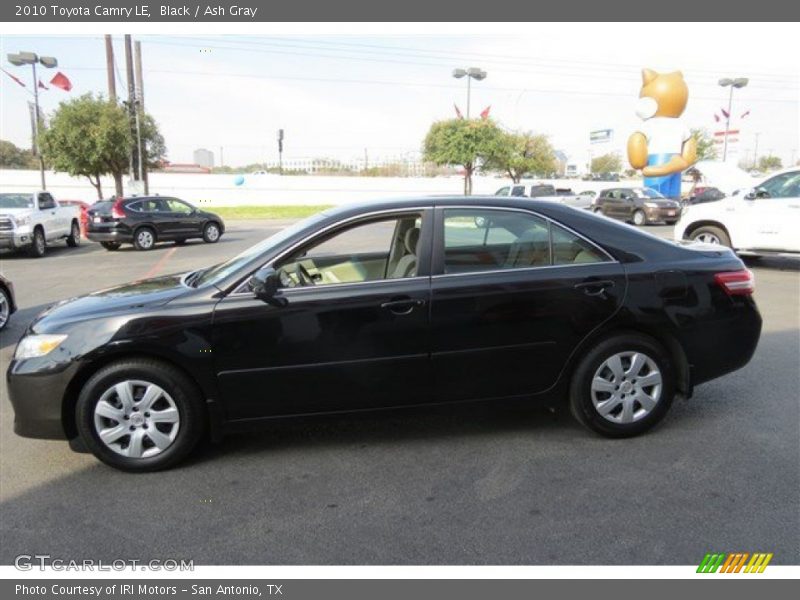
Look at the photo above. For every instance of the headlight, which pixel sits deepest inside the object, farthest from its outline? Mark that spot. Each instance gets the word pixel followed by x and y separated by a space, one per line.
pixel 20 221
pixel 37 345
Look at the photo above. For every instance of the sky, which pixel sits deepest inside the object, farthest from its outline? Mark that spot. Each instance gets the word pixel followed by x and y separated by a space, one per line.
pixel 338 96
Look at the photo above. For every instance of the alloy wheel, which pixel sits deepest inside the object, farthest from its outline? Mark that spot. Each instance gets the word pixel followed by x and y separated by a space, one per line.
pixel 136 419
pixel 5 309
pixel 707 238
pixel 145 238
pixel 626 387
pixel 212 233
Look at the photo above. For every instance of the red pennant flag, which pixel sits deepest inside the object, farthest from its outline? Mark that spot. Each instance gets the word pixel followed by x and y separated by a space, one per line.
pixel 61 81
pixel 485 112
pixel 19 81
pixel 725 113
pixel 42 86
pixel 744 114
pixel 458 112
pixel 716 117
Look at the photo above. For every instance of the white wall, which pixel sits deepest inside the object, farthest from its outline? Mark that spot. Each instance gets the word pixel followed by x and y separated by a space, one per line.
pixel 221 190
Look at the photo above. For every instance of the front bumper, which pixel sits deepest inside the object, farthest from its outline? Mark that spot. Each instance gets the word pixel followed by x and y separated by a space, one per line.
pixel 37 398
pixel 15 239
pixel 660 214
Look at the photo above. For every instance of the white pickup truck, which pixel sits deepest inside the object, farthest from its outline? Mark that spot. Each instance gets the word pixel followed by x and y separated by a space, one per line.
pixel 30 221
pixel 546 191
pixel 761 220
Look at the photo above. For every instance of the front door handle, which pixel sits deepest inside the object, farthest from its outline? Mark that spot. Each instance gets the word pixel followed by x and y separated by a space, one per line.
pixel 595 288
pixel 402 306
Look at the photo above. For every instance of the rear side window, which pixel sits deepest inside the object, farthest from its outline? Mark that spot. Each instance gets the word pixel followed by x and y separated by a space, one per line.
pixel 518 191
pixel 477 240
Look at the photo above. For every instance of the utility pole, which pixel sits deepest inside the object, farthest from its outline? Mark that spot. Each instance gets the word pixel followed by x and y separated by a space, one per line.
pixel 140 144
pixel 112 82
pixel 221 157
pixel 755 152
pixel 131 101
pixel 366 160
pixel 280 151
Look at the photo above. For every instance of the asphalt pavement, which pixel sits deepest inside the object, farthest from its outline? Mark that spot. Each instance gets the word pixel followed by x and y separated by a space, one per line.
pixel 461 486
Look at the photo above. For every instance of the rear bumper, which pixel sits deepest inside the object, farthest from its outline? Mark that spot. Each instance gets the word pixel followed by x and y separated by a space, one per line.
pixel 109 236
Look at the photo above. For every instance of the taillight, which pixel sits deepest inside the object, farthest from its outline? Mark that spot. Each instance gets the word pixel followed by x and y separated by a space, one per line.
pixel 737 283
pixel 116 210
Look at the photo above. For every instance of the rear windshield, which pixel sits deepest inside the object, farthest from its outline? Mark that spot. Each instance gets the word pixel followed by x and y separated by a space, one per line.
pixel 102 207
pixel 542 190
pixel 16 201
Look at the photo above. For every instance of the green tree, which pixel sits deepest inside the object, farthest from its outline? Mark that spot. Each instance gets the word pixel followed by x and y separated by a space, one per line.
pixel 522 153
pixel 607 163
pixel 465 142
pixel 706 148
pixel 12 157
pixel 770 163
pixel 91 137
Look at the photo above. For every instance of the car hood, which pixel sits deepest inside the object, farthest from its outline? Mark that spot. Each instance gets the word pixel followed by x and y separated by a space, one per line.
pixel 123 298
pixel 15 212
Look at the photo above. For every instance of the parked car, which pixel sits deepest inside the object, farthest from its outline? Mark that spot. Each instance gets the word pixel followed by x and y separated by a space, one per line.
pixel 762 220
pixel 30 221
pixel 83 207
pixel 640 206
pixel 390 304
pixel 144 221
pixel 702 194
pixel 8 305
pixel 545 192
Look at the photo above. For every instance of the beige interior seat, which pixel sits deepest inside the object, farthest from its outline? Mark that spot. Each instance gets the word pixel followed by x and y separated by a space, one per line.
pixel 407 265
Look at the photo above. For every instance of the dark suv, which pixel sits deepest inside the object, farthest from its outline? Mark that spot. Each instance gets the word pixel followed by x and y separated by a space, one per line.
pixel 143 221
pixel 640 205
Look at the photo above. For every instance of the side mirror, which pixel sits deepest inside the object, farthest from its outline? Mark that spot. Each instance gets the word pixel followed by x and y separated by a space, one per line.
pixel 755 193
pixel 265 284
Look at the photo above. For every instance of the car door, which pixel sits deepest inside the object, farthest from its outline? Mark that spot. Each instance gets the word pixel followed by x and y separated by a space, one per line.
pixel 512 295
pixel 53 222
pixel 184 220
pixel 771 215
pixel 610 201
pixel 355 336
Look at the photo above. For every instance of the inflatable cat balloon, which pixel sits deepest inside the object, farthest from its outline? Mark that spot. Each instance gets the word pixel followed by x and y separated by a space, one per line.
pixel 663 147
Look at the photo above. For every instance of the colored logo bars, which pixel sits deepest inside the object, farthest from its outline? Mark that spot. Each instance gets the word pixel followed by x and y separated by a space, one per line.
pixel 735 562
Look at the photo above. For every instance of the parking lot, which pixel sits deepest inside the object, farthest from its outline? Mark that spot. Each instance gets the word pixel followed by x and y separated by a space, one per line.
pixel 462 486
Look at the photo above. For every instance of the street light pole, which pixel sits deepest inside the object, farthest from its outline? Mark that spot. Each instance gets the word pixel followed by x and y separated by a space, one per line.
pixel 738 82
pixel 31 58
pixel 471 73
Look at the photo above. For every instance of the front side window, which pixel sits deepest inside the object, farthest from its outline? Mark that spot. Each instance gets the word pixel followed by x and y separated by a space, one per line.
pixel 176 206
pixel 46 201
pixel 503 191
pixel 477 240
pixel 385 248
pixel 785 185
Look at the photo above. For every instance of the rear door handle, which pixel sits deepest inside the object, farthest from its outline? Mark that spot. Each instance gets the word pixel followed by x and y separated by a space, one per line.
pixel 595 288
pixel 402 306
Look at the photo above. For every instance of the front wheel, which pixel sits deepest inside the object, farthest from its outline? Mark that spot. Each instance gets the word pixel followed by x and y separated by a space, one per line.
pixel 623 387
pixel 710 234
pixel 110 245
pixel 211 233
pixel 639 218
pixel 38 244
pixel 5 308
pixel 140 415
pixel 74 239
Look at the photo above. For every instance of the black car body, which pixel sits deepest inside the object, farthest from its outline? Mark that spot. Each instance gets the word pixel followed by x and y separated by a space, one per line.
pixel 466 299
pixel 145 220
pixel 8 303
pixel 637 205
pixel 706 194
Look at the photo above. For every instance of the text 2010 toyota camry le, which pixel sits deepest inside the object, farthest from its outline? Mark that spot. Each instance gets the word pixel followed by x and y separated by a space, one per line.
pixel 389 304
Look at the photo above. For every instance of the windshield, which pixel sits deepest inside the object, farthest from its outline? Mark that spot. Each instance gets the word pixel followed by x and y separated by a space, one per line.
pixel 16 201
pixel 647 193
pixel 219 272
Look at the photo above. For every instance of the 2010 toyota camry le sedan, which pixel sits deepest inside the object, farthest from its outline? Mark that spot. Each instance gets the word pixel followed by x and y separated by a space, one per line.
pixel 389 304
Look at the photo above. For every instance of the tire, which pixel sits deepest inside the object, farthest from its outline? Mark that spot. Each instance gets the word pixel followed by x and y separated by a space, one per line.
pixel 639 218
pixel 38 245
pixel 128 431
pixel 110 245
pixel 5 308
pixel 627 412
pixel 211 233
pixel 74 239
pixel 711 234
pixel 144 239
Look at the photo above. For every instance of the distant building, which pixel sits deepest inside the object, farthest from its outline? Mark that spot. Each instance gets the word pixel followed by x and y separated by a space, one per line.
pixel 204 158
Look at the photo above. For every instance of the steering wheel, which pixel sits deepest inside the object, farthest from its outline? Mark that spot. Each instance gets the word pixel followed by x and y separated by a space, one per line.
pixel 303 276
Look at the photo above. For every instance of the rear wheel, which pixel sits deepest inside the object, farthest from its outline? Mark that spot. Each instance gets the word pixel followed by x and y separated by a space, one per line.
pixel 110 245
pixel 38 244
pixel 709 234
pixel 74 239
pixel 623 387
pixel 5 308
pixel 211 233
pixel 144 239
pixel 639 218
pixel 140 415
